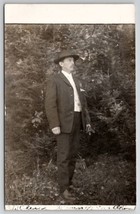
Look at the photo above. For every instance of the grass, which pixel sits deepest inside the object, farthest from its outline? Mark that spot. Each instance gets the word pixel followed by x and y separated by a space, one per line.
pixel 109 180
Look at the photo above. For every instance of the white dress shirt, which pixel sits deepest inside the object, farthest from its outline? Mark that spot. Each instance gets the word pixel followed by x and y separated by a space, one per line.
pixel 77 103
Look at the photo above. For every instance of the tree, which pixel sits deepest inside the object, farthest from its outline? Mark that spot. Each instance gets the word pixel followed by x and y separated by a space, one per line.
pixel 106 68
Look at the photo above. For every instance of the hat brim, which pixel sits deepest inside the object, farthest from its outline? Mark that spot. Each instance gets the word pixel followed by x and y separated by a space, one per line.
pixel 76 57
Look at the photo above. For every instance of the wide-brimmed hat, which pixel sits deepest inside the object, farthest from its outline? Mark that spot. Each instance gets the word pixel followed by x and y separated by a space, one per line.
pixel 64 54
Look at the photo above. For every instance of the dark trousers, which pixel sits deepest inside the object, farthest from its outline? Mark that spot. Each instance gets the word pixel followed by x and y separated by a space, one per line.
pixel 67 148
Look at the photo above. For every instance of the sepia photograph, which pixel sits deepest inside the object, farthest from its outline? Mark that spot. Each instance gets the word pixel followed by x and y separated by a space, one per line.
pixel 69 114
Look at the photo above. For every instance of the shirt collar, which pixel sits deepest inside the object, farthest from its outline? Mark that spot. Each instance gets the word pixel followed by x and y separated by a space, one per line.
pixel 66 73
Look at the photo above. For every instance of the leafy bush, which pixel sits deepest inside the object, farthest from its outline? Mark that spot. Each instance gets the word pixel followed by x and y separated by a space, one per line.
pixel 107 71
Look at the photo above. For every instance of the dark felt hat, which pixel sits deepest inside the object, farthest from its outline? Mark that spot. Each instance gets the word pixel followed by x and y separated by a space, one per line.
pixel 64 54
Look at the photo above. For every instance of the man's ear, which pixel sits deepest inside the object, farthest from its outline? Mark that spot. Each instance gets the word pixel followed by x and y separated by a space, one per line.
pixel 61 63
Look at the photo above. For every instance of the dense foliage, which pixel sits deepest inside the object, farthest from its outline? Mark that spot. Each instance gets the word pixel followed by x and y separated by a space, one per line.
pixel 107 71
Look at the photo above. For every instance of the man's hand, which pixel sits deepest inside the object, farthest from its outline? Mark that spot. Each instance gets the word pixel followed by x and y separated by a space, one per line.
pixel 89 129
pixel 56 130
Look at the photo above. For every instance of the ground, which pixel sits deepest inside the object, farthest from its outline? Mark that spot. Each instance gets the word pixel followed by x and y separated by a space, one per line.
pixel 109 180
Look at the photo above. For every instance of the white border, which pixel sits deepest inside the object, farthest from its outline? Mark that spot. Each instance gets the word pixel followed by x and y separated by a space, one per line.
pixel 137 4
pixel 69 207
pixel 70 13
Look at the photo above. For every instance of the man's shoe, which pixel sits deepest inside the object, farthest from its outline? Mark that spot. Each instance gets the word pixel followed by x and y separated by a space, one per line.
pixel 67 195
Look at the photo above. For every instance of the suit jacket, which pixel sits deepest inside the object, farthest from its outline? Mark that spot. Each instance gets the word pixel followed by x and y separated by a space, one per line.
pixel 59 103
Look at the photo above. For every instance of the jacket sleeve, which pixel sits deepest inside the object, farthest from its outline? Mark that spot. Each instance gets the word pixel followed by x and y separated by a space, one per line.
pixel 88 120
pixel 51 103
pixel 87 117
pixel 86 113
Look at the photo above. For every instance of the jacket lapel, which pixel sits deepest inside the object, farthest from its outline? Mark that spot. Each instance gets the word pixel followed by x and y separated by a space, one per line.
pixel 76 83
pixel 68 83
pixel 64 78
pixel 77 86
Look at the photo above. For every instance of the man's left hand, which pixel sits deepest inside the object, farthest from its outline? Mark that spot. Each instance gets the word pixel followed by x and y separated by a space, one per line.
pixel 89 129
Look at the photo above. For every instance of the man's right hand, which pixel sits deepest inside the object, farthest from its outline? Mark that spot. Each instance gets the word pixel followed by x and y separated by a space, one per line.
pixel 56 130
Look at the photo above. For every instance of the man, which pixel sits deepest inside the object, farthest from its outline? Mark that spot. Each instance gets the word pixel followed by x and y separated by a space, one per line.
pixel 67 114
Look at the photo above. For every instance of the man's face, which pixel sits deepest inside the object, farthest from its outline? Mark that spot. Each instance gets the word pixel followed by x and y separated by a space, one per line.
pixel 67 64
